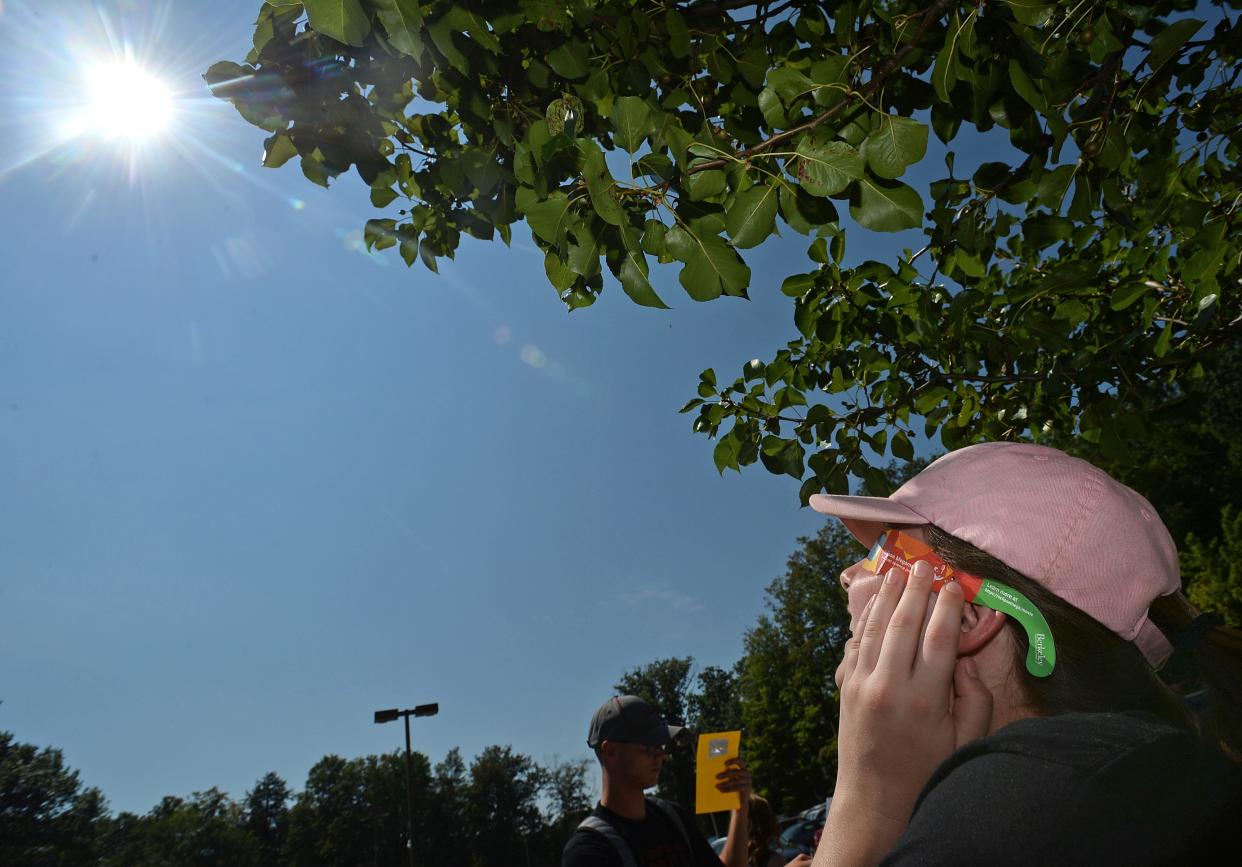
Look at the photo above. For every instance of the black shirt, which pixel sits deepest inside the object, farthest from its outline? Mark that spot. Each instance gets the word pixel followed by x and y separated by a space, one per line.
pixel 1079 789
pixel 655 842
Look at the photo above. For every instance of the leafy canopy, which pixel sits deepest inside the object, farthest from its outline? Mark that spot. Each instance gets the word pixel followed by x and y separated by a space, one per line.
pixel 1056 295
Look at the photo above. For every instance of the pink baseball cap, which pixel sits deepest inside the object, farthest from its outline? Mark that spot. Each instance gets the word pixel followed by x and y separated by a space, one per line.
pixel 1056 519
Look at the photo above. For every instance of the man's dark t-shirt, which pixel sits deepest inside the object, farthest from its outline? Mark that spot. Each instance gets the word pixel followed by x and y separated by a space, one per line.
pixel 1101 788
pixel 655 842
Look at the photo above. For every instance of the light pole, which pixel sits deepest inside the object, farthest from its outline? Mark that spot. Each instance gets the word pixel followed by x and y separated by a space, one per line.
pixel 383 716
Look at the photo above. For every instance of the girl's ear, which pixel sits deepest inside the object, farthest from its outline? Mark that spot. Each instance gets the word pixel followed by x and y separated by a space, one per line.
pixel 979 626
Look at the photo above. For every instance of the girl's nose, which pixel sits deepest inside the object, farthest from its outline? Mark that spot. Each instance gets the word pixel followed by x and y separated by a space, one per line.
pixel 848 576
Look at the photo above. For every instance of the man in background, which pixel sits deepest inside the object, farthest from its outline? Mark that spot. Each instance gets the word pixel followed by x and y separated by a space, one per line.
pixel 627 827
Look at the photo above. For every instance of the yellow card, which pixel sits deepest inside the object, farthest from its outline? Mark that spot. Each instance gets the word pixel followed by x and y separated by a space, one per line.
pixel 715 748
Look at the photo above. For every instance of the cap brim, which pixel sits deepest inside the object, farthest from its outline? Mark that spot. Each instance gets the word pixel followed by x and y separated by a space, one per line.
pixel 865 517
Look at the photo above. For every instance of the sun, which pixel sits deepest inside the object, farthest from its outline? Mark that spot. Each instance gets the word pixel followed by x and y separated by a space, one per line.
pixel 124 101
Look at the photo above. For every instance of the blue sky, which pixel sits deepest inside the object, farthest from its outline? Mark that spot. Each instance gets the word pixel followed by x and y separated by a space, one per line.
pixel 255 483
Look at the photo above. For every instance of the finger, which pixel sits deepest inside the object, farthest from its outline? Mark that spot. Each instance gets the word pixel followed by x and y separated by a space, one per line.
pixel 901 638
pixel 849 658
pixel 938 653
pixel 972 703
pixel 874 630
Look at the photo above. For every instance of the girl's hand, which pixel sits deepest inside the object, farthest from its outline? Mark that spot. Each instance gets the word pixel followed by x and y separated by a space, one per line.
pixel 906 703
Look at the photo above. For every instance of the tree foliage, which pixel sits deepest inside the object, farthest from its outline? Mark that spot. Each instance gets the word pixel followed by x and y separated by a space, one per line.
pixel 47 818
pixel 1061 286
pixel 505 809
pixel 789 697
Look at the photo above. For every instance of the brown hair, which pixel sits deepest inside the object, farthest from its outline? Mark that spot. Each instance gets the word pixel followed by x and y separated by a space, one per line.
pixel 1098 670
pixel 763 830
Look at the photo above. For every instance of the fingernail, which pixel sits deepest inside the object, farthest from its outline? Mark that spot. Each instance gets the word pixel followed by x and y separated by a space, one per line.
pixel 922 568
pixel 890 577
pixel 969 665
pixel 952 587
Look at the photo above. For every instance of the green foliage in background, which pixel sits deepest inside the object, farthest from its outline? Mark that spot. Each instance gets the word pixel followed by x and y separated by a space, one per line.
pixel 788 692
pixel 504 810
pixel 1058 289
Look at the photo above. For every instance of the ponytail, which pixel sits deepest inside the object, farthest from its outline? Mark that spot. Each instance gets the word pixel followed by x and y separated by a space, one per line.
pixel 1217 652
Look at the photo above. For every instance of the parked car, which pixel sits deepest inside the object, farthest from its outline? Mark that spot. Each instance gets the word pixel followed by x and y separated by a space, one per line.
pixel 784 851
pixel 800 834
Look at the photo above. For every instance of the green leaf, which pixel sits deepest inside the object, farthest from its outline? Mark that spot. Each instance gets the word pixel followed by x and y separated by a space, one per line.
pixel 804 212
pixel 887 207
pixel 441 32
pixel 560 275
pixel 632 122
pixel 752 216
pixel 712 267
pixel 789 84
pixel 1126 294
pixel 726 452
pixel 382 197
pixel 1053 184
pixel 569 60
pixel 409 244
pixel 403 22
pixel 944 73
pixel 481 169
pixel 754 63
pixel 463 20
pixel 600 184
pixel 898 142
pixel 278 150
pixel 380 234
pixel 678 33
pixel 1026 88
pixel 706 185
pixel 798 285
pixel 221 75
pixel 827 169
pixel 1170 40
pixel 1161 349
pixel 547 218
pixel 1033 13
pixel 635 282
pixel 584 248
pixel 901 447
pixel 653 236
pixel 342 20
pixel 564 115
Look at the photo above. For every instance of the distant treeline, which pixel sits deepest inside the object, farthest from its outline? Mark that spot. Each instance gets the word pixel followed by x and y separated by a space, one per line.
pixel 501 809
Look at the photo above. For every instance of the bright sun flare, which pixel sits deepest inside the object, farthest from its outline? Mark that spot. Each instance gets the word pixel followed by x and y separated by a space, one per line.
pixel 125 101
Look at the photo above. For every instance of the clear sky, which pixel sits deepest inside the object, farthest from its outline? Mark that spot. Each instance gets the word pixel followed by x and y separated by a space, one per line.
pixel 256 483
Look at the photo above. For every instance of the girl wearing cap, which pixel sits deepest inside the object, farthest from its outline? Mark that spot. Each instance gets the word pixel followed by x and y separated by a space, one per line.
pixel 970 735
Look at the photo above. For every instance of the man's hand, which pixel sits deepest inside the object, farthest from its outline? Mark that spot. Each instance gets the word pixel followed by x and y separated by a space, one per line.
pixel 735 778
pixel 799 861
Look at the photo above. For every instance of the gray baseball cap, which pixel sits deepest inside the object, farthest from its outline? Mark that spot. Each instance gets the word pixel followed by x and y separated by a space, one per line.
pixel 628 719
